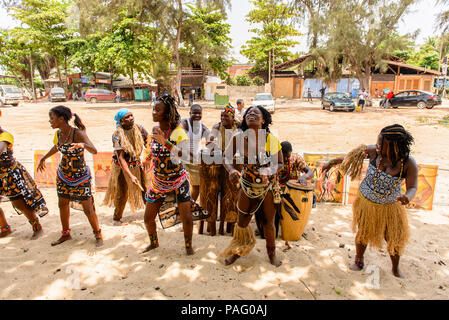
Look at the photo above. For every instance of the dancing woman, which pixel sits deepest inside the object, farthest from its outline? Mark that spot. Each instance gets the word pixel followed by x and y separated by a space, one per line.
pixel 262 158
pixel 127 178
pixel 18 186
pixel 73 180
pixel 170 143
pixel 378 212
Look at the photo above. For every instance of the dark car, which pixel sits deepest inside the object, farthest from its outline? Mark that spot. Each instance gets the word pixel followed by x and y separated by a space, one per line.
pixel 420 99
pixel 337 101
pixel 57 94
pixel 95 95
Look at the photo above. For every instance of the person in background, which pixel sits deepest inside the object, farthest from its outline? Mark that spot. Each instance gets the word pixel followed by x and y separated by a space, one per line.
pixel 362 99
pixel 118 95
pixel 323 91
pixel 240 111
pixel 196 131
pixel 309 95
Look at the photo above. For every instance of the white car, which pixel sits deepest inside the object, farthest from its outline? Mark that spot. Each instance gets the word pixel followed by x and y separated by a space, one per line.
pixel 10 94
pixel 265 100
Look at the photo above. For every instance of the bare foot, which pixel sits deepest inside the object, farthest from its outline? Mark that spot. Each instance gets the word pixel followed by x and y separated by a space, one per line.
pixel 61 240
pixel 398 274
pixel 5 233
pixel 231 260
pixel 117 223
pixel 275 261
pixel 99 242
pixel 190 251
pixel 149 248
pixel 37 234
pixel 355 267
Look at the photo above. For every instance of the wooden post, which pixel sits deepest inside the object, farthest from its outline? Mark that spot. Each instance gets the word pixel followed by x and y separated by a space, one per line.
pixel 274 77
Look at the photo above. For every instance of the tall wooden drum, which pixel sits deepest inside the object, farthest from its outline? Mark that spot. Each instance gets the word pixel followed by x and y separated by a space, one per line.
pixel 302 198
pixel 210 174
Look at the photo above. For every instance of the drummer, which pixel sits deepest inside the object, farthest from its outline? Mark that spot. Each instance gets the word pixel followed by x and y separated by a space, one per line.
pixel 196 131
pixel 294 166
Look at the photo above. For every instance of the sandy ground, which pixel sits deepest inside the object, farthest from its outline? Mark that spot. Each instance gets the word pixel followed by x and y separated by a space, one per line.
pixel 316 267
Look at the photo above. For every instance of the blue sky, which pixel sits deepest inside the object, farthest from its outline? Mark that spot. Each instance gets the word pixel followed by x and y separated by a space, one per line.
pixel 422 16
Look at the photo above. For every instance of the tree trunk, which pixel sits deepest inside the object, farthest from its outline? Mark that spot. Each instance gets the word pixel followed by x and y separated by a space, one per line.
pixel 178 78
pixel 59 73
pixel 32 79
pixel 66 85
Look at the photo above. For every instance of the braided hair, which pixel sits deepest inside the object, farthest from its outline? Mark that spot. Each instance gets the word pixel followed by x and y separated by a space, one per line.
pixel 398 142
pixel 171 111
pixel 66 113
pixel 266 117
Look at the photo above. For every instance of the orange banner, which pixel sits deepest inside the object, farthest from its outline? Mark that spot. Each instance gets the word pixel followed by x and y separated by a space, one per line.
pixel 102 169
pixel 329 187
pixel 427 179
pixel 46 178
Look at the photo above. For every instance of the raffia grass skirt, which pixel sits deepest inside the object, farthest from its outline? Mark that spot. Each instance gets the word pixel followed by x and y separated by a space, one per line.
pixel 242 243
pixel 375 223
pixel 115 188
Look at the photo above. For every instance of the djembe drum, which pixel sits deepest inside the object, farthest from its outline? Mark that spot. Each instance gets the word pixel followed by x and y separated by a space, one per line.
pixel 296 205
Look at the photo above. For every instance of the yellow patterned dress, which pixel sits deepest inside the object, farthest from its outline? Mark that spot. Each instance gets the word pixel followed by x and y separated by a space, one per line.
pixel 16 182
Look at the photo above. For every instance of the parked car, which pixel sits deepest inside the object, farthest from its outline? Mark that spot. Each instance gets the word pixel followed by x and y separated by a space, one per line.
pixel 95 95
pixel 10 94
pixel 57 94
pixel 265 100
pixel 337 101
pixel 420 99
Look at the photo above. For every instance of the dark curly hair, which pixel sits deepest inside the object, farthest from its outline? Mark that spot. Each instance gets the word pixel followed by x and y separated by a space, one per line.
pixel 266 117
pixel 398 141
pixel 171 110
pixel 66 113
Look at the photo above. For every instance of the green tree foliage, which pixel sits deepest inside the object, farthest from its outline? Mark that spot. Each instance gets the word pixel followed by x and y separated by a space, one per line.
pixel 205 40
pixel 313 14
pixel 258 81
pixel 276 34
pixel 243 80
pixel 361 34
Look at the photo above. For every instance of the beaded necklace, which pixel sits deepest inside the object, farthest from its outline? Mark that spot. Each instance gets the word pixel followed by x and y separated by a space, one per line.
pixel 395 185
pixel 66 138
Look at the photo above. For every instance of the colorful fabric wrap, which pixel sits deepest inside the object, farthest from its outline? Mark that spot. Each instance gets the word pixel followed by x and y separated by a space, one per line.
pixel 74 182
pixel 230 110
pixel 160 187
pixel 120 114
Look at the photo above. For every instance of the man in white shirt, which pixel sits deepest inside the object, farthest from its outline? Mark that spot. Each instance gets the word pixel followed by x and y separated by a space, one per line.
pixel 240 111
pixel 362 99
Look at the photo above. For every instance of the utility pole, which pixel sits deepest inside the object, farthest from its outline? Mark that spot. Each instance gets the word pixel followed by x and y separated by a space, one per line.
pixel 32 78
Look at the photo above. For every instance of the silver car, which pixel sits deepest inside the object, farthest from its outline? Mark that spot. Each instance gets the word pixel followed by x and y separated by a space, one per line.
pixel 265 100
pixel 57 94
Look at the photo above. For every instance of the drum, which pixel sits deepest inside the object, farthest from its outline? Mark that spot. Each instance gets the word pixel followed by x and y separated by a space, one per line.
pixel 296 207
pixel 210 174
pixel 228 204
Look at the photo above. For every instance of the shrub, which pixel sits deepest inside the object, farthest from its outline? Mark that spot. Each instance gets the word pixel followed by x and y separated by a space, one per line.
pixel 243 81
pixel 258 81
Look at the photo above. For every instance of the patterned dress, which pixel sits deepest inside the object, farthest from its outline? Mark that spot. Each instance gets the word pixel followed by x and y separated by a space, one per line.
pixel 252 167
pixel 384 184
pixel 73 179
pixel 167 168
pixel 16 182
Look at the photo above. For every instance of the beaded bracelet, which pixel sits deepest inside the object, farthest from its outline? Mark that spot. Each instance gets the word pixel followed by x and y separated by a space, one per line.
pixel 168 145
